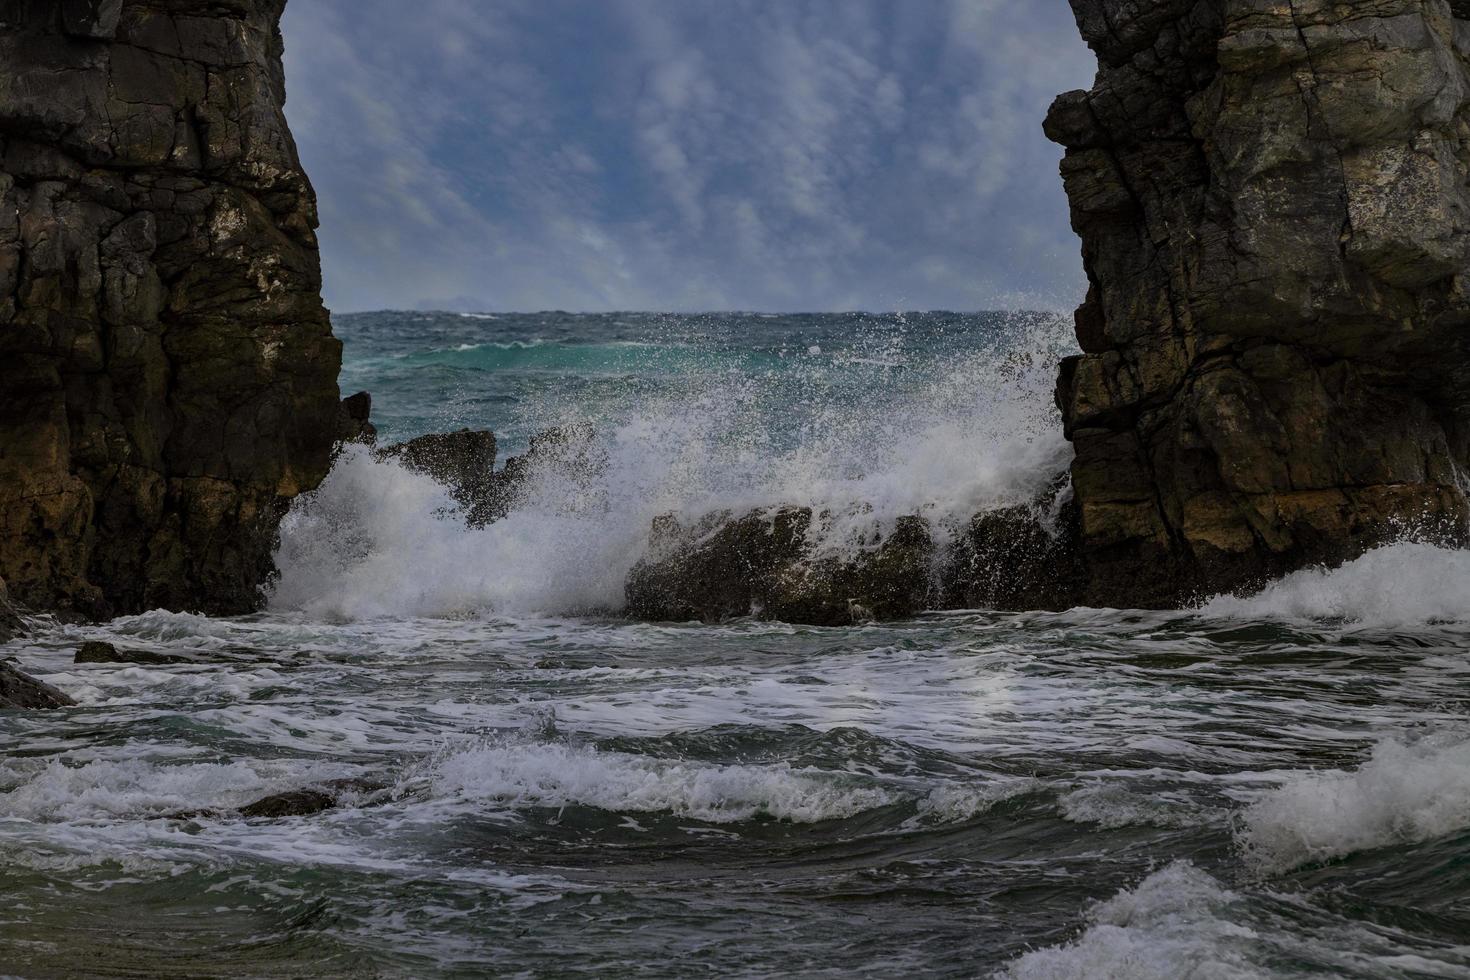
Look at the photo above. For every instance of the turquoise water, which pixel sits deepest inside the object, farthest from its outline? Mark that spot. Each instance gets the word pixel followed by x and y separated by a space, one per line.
pixel 1266 786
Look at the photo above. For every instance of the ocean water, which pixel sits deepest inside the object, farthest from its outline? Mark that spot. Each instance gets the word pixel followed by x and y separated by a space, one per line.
pixel 1272 785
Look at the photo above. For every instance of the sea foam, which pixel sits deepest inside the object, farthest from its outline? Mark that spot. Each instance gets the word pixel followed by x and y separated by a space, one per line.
pixel 1405 793
pixel 520 773
pixel 1397 585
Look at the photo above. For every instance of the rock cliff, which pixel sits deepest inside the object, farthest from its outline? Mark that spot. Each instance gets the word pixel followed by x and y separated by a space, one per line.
pixel 1274 204
pixel 167 370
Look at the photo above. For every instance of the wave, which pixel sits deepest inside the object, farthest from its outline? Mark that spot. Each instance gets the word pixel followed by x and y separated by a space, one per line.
pixel 1112 807
pixel 1405 793
pixel 1397 585
pixel 103 790
pixel 376 540
pixel 1176 923
pixel 527 774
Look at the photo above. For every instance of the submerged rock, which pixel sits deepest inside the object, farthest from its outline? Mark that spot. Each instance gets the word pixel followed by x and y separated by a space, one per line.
pixel 314 799
pixel 167 369
pixel 99 652
pixel 1274 206
pixel 21 690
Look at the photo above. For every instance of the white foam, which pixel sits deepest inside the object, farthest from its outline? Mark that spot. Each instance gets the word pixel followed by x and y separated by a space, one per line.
pixel 1176 923
pixel 379 541
pixel 958 802
pixel 520 773
pixel 1398 585
pixel 104 790
pixel 1113 806
pixel 1404 793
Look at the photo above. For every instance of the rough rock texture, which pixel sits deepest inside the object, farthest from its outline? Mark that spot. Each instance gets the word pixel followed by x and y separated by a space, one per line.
pixel 762 563
pixel 1021 557
pixel 12 624
pixel 463 461
pixel 167 370
pixel 20 690
pixel 1275 215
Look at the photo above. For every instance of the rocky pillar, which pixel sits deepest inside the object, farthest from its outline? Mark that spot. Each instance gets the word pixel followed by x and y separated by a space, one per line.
pixel 167 370
pixel 1274 203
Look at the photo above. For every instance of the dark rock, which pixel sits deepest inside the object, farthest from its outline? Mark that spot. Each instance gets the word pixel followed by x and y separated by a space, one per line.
pixel 353 421
pixel 167 370
pixel 19 690
pixel 12 622
pixel 91 18
pixel 763 564
pixel 1274 206
pixel 312 800
pixel 463 461
pixel 98 652
pixel 1019 557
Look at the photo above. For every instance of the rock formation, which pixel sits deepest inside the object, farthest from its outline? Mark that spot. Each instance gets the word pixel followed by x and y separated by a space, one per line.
pixel 1274 205
pixel 167 370
pixel 21 690
pixel 464 462
pixel 764 563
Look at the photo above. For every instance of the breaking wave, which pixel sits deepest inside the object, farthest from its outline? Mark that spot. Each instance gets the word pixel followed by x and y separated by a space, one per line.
pixel 522 774
pixel 1397 585
pixel 1405 793
pixel 1176 923
pixel 945 437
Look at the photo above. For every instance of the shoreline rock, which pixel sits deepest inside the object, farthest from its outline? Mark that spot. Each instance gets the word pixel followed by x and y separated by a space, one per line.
pixel 21 690
pixel 763 564
pixel 1275 224
pixel 167 369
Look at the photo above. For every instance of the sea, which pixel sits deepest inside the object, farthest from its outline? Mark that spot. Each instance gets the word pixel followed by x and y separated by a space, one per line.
pixel 1263 785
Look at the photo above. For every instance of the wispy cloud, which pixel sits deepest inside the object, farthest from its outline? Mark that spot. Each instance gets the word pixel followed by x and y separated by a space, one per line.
pixel 662 154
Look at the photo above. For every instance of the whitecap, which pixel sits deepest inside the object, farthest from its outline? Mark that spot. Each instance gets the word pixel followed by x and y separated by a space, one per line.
pixel 518 774
pixel 1405 793
pixel 1175 923
pixel 1397 585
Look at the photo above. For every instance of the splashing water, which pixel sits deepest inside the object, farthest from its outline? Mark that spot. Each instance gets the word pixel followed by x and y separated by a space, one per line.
pixel 872 431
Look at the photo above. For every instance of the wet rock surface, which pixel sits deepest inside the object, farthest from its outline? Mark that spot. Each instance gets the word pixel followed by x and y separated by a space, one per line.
pixel 1274 205
pixel 167 370
pixel 98 652
pixel 21 690
pixel 765 564
pixel 12 623
pixel 316 799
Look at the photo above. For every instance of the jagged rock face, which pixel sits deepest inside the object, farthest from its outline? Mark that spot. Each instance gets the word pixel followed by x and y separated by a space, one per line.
pixel 167 370
pixel 1274 204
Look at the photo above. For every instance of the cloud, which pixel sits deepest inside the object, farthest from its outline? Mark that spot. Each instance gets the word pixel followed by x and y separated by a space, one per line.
pixel 658 154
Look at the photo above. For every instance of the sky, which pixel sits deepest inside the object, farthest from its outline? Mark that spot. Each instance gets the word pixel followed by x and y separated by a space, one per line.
pixel 682 155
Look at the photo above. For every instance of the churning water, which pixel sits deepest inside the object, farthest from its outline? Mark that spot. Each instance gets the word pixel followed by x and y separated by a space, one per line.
pixel 1265 786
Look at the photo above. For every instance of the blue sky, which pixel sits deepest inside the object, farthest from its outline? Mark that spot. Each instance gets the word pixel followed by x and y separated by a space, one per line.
pixel 774 155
